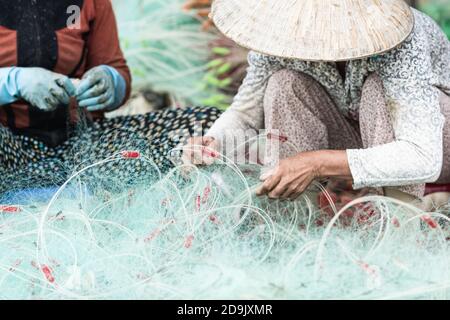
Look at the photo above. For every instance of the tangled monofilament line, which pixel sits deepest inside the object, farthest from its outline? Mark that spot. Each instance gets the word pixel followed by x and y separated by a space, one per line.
pixel 205 235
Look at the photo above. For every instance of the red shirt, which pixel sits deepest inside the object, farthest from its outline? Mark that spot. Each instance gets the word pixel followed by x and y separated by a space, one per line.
pixel 36 34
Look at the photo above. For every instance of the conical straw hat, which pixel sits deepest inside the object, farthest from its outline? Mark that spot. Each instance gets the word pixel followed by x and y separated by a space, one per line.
pixel 316 30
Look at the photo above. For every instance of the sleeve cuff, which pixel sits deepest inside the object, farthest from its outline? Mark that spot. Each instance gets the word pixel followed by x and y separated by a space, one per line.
pixel 120 87
pixel 356 168
pixel 9 92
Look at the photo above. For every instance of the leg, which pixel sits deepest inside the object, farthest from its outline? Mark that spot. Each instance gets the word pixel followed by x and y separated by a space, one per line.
pixel 300 109
pixel 154 134
pixel 376 126
pixel 445 109
pixel 13 154
pixel 26 163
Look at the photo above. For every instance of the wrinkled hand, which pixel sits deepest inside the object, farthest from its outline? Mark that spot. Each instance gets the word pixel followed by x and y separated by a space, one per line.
pixel 203 8
pixel 200 151
pixel 44 89
pixel 290 178
pixel 96 91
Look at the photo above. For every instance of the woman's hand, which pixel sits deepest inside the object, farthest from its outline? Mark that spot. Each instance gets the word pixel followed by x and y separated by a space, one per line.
pixel 291 178
pixel 44 89
pixel 101 89
pixel 200 151
pixel 294 175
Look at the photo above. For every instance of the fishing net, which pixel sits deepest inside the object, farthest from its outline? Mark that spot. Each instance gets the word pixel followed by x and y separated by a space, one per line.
pixel 200 233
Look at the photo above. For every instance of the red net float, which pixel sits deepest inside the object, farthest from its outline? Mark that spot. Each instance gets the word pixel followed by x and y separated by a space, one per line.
pixel 206 193
pixel 10 209
pixel 210 153
pixel 130 154
pixel 48 274
pixel 152 236
pixel 396 223
pixel 430 222
pixel 273 136
pixel 197 203
pixel 188 242
pixel 214 219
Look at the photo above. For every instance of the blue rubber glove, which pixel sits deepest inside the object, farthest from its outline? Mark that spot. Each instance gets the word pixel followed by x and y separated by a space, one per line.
pixel 101 89
pixel 44 89
pixel 8 86
pixel 41 88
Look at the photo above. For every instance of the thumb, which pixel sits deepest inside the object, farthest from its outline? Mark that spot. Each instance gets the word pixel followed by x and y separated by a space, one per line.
pixel 67 85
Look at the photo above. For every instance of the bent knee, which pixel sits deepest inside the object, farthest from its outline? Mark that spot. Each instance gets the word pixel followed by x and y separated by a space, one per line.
pixel 286 78
pixel 373 98
pixel 286 83
pixel 373 84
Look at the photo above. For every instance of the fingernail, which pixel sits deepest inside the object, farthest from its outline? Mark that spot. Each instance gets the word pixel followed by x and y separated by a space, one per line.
pixel 265 176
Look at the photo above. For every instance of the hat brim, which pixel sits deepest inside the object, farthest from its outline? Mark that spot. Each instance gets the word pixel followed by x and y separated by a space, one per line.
pixel 301 32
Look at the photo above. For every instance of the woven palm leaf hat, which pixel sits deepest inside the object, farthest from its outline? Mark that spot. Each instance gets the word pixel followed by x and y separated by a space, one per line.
pixel 315 30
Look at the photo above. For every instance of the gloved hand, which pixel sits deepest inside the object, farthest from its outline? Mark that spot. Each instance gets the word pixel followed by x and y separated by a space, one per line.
pixel 101 89
pixel 41 88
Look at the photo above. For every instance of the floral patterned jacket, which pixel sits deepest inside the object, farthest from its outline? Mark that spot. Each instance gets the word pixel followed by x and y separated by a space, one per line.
pixel 414 75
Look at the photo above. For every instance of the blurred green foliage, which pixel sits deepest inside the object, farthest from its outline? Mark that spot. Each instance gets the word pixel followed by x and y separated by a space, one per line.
pixel 217 68
pixel 439 10
pixel 168 53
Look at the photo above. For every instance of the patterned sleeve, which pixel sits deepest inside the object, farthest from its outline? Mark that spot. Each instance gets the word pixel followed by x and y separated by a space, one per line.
pixel 416 155
pixel 247 111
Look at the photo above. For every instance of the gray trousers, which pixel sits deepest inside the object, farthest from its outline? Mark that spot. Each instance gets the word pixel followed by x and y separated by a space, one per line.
pixel 300 109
